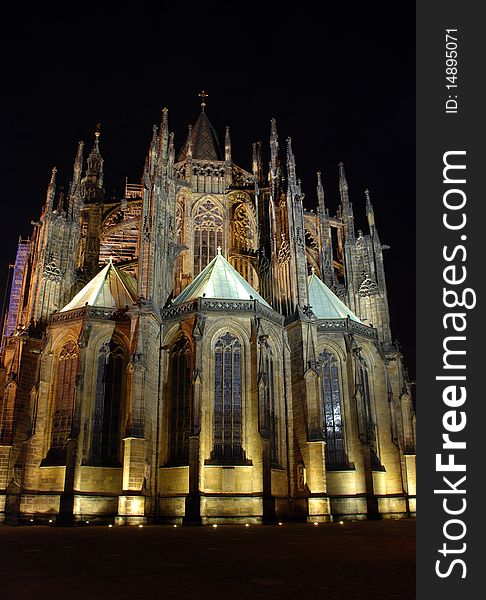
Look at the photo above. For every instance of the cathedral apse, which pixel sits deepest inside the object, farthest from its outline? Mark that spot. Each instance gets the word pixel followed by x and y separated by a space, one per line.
pixel 203 349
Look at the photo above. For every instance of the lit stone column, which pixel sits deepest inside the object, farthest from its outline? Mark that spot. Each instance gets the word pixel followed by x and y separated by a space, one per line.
pixel 318 502
pixel 269 514
pixel 131 505
pixel 4 461
pixel 411 482
pixel 193 500
pixel 67 506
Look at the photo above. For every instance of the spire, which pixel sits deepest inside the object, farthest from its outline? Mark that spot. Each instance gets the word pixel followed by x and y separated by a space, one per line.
pixel 165 121
pixel 51 192
pixel 320 195
pixel 162 143
pixel 273 147
pixel 343 186
pixel 156 235
pixel 164 134
pixel 202 141
pixel 294 185
pixel 346 208
pixel 153 151
pixel 93 180
pixel 291 173
pixel 257 162
pixel 227 145
pixel 171 150
pixel 146 173
pixel 254 161
pixel 326 257
pixel 60 201
pixel 74 199
pixel 370 213
pixel 97 137
pixel 78 166
pixel 189 141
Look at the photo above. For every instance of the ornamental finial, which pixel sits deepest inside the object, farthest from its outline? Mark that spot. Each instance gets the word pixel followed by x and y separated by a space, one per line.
pixel 203 97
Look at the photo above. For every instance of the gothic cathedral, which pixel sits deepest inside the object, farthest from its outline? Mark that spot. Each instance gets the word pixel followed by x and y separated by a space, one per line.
pixel 201 350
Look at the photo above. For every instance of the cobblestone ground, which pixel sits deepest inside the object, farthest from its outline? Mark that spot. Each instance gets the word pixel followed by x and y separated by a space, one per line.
pixel 365 560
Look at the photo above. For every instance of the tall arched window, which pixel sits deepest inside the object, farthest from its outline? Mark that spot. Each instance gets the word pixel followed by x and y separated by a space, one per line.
pixel 181 401
pixel 227 399
pixel 105 436
pixel 332 412
pixel 65 394
pixel 208 234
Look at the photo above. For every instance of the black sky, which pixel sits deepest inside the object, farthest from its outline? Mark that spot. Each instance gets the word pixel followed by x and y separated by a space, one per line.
pixel 338 77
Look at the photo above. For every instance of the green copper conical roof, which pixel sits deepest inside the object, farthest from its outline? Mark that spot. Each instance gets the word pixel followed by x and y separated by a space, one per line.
pixel 111 288
pixel 325 304
pixel 219 280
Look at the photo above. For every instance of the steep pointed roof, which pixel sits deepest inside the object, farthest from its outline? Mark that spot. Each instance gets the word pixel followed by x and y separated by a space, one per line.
pixel 219 280
pixel 111 288
pixel 203 141
pixel 325 304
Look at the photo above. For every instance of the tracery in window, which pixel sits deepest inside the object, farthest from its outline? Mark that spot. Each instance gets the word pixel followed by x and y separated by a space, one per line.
pixel 181 401
pixel 333 425
pixel 208 234
pixel 227 399
pixel 65 394
pixel 105 436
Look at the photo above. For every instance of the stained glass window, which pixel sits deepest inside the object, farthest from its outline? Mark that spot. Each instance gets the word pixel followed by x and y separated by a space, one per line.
pixel 105 437
pixel 208 235
pixel 181 401
pixel 333 425
pixel 65 394
pixel 227 399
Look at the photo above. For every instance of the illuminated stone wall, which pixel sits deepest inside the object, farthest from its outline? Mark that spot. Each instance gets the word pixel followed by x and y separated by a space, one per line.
pixel 321 417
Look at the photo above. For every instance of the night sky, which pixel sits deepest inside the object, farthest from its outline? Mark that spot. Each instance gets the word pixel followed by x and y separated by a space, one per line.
pixel 339 80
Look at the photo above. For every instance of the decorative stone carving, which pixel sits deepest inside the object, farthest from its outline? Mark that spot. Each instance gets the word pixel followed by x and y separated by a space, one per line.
pixel 243 228
pixel 368 287
pixel 284 252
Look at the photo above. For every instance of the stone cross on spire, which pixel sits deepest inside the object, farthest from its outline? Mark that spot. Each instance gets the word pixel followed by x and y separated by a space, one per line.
pixel 203 97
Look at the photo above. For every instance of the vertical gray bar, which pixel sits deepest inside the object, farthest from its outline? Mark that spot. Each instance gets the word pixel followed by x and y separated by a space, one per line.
pixel 459 249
